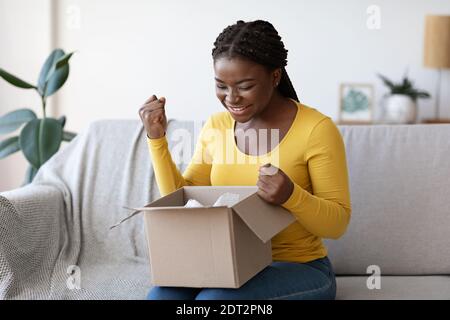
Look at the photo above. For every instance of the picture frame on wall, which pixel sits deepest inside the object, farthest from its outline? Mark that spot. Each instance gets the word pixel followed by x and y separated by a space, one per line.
pixel 356 103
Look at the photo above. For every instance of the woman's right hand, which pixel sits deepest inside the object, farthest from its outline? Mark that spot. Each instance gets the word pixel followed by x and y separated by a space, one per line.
pixel 153 117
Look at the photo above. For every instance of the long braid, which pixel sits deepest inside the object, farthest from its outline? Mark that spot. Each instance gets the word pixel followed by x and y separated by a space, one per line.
pixel 258 41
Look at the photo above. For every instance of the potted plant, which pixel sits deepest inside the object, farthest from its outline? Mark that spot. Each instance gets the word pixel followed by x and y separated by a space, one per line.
pixel 39 138
pixel 401 102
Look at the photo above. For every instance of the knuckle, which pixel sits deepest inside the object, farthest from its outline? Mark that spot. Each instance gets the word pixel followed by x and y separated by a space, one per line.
pixel 142 110
pixel 277 187
pixel 147 115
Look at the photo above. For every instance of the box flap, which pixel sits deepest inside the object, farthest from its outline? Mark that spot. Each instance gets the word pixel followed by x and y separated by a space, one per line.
pixel 264 219
pixel 173 199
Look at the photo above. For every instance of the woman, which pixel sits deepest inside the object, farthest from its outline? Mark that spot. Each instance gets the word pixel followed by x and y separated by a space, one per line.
pixel 310 177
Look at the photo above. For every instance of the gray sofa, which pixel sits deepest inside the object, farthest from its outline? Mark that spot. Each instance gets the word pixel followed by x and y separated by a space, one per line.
pixel 55 241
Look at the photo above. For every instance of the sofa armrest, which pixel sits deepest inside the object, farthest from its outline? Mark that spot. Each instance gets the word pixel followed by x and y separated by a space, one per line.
pixel 30 219
pixel 33 199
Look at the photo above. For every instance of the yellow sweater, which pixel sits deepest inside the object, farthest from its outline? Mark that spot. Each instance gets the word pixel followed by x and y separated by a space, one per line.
pixel 311 153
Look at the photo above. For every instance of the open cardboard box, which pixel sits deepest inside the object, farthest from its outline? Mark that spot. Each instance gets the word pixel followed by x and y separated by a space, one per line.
pixel 211 246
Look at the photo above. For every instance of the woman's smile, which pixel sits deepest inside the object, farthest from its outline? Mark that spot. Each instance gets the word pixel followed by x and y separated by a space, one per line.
pixel 238 110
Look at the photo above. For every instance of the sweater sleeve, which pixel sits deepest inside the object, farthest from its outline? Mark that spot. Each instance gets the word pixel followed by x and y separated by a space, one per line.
pixel 167 175
pixel 326 212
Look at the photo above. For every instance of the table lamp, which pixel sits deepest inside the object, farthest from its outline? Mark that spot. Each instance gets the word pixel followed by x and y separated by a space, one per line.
pixel 437 52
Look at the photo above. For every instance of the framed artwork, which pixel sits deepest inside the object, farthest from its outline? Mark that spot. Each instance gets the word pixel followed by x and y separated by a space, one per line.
pixel 356 103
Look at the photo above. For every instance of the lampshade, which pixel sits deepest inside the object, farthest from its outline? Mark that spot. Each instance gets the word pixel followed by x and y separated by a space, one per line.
pixel 437 42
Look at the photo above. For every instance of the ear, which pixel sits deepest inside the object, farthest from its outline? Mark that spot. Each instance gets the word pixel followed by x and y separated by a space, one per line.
pixel 276 77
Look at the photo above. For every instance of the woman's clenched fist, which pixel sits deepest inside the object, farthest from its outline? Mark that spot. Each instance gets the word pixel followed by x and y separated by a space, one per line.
pixel 274 185
pixel 153 117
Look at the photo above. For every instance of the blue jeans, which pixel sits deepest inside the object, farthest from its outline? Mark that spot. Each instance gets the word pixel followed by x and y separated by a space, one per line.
pixel 314 280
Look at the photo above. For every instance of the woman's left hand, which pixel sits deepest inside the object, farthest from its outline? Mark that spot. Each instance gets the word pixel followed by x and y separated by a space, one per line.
pixel 274 185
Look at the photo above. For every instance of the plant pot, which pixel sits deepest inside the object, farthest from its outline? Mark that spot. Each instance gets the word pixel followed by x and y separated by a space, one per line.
pixel 400 108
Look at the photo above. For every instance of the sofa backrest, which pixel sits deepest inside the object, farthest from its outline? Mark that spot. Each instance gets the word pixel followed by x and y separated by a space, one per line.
pixel 400 192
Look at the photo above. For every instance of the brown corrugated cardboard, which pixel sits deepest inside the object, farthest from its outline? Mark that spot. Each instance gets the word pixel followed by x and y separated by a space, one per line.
pixel 211 246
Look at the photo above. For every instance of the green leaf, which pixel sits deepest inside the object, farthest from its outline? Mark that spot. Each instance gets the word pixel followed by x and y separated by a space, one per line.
pixel 15 81
pixel 40 139
pixel 54 73
pixel 68 136
pixel 57 80
pixel 9 146
pixel 407 84
pixel 49 63
pixel 406 87
pixel 62 120
pixel 386 81
pixel 13 120
pixel 63 60
pixel 423 94
pixel 29 175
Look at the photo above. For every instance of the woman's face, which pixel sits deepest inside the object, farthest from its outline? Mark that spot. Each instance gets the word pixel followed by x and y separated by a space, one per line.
pixel 244 87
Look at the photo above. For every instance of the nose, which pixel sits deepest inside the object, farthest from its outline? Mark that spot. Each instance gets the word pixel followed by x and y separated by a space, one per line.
pixel 232 96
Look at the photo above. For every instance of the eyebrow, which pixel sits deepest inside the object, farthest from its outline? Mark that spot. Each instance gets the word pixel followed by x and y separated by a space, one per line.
pixel 240 81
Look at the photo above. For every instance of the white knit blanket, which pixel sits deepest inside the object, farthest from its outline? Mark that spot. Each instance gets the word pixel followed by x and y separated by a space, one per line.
pixel 55 241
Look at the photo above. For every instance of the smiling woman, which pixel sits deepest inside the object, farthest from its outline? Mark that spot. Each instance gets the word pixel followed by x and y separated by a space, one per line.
pixel 309 179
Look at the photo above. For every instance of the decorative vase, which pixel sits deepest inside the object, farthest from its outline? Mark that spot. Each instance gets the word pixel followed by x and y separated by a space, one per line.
pixel 400 108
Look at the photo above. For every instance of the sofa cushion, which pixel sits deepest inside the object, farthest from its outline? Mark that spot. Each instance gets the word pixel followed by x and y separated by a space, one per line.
pixel 394 288
pixel 399 187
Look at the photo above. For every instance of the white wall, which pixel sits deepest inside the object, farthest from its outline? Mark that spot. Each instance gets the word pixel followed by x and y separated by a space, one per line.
pixel 128 50
pixel 25 41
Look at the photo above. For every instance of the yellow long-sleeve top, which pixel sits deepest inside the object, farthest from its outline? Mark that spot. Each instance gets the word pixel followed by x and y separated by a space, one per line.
pixel 311 153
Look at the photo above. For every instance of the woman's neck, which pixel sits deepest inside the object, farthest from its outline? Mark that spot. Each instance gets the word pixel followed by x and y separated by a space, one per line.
pixel 277 105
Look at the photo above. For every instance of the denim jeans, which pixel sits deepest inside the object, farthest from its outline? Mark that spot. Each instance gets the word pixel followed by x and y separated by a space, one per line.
pixel 314 280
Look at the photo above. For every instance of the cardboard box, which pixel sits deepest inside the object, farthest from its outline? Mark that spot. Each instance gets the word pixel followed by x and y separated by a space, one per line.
pixel 211 246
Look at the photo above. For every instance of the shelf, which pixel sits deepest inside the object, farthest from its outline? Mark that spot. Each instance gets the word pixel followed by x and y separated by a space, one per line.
pixel 435 121
pixel 352 123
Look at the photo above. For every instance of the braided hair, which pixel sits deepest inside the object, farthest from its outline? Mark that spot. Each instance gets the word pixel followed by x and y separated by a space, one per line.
pixel 257 41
